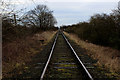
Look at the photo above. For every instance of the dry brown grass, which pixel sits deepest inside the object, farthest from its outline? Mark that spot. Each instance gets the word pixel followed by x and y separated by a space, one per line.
pixel 46 36
pixel 106 56
pixel 18 52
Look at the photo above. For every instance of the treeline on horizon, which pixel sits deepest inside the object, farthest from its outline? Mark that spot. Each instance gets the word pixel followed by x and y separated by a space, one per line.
pixel 102 29
pixel 33 21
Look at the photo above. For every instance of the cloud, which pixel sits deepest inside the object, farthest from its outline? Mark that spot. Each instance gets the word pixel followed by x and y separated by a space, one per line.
pixel 47 1
pixel 69 13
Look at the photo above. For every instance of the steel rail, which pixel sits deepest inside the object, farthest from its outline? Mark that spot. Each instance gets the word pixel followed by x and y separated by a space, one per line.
pixel 89 75
pixel 45 68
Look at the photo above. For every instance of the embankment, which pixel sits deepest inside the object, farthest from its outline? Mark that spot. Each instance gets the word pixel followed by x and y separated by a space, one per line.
pixel 21 51
pixel 106 56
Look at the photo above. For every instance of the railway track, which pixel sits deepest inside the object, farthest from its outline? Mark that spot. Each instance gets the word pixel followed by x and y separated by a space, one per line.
pixel 63 62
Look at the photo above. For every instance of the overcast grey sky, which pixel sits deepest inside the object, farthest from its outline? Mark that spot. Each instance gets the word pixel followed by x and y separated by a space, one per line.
pixel 71 11
pixel 74 12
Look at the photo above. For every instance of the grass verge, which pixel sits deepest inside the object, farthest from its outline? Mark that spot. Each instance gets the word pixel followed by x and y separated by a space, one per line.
pixel 105 56
pixel 19 52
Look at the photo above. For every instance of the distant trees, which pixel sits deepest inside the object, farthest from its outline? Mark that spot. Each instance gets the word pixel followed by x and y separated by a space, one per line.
pixel 40 17
pixel 102 29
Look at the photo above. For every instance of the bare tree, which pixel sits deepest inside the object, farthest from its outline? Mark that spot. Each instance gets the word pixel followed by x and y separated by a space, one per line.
pixel 40 16
pixel 116 15
pixel 9 12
